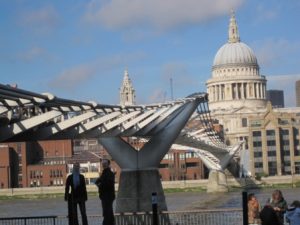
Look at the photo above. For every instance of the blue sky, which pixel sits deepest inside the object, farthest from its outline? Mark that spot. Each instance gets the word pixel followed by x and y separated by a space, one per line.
pixel 79 49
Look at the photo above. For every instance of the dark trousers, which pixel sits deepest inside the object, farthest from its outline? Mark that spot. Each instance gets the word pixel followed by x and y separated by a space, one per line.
pixel 107 212
pixel 72 212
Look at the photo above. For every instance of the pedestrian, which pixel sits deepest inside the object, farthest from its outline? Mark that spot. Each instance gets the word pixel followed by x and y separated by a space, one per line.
pixel 253 209
pixel 268 215
pixel 77 196
pixel 279 205
pixel 106 187
pixel 293 213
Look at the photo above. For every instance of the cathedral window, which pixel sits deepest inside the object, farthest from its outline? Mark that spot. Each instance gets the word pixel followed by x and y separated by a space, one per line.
pixel 244 122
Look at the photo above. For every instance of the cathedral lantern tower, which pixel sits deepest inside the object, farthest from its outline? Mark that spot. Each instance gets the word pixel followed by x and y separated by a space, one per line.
pixel 127 92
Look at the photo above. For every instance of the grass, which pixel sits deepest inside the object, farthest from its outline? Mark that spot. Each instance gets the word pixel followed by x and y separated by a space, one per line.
pixel 177 190
pixel 39 196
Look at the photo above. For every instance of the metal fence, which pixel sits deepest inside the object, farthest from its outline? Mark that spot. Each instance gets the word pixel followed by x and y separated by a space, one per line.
pixel 201 217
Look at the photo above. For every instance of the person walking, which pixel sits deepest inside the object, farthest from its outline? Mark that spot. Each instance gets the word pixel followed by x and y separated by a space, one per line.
pixel 77 196
pixel 253 210
pixel 279 205
pixel 106 187
pixel 293 213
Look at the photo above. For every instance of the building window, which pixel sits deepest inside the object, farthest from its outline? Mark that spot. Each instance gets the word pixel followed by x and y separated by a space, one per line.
pixel 256 133
pixel 270 132
pixel 256 123
pixel 272 168
pixel 256 143
pixel 258 164
pixel 271 153
pixel 257 154
pixel 271 143
pixel 244 122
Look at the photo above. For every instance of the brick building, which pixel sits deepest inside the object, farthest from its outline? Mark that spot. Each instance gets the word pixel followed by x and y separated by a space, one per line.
pixel 180 164
pixel 41 163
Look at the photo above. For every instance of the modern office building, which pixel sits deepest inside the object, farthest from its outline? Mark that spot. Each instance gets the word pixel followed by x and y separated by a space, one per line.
pixel 276 97
pixel 274 142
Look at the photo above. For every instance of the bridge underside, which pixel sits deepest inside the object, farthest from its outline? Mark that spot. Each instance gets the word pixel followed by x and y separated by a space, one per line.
pixel 28 116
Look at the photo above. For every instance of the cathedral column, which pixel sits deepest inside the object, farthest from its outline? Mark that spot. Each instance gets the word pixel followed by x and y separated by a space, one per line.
pixel 243 91
pixel 230 97
pixel 220 92
pixel 236 91
pixel 257 91
pixel 247 90
pixel 261 91
pixel 215 93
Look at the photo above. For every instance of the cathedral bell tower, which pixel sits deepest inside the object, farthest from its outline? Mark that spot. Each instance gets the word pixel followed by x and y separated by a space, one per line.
pixel 127 92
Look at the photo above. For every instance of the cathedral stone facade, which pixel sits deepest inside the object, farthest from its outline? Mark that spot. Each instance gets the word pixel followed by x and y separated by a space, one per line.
pixel 236 89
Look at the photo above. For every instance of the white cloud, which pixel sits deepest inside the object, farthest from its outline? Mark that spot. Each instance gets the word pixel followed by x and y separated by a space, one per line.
pixel 166 14
pixel 267 12
pixel 70 78
pixel 271 51
pixel 79 74
pixel 42 20
pixel 32 54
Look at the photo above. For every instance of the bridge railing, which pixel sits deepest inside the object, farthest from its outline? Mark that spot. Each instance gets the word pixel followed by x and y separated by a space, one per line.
pixel 199 217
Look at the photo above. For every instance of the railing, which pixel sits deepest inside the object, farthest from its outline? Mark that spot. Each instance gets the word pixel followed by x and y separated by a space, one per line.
pixel 37 220
pixel 199 217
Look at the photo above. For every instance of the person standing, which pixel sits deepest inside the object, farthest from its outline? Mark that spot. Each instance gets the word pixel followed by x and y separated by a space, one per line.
pixel 253 209
pixel 279 205
pixel 106 187
pixel 77 196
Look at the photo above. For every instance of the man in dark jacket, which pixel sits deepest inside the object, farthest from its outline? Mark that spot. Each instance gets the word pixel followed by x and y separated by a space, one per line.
pixel 106 187
pixel 78 195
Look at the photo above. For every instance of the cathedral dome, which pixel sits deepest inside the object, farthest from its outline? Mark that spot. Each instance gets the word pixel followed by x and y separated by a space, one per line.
pixel 236 53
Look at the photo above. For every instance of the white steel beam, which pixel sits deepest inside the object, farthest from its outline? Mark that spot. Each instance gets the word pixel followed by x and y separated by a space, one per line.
pixel 61 126
pixel 25 125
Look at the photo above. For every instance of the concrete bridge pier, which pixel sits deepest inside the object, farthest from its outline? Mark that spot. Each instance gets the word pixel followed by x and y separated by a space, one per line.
pixel 136 189
pixel 139 175
pixel 217 182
